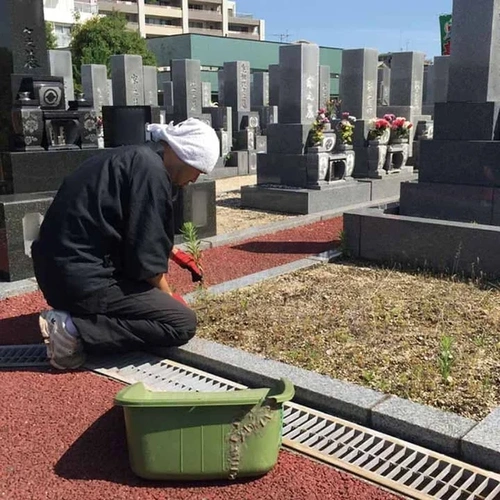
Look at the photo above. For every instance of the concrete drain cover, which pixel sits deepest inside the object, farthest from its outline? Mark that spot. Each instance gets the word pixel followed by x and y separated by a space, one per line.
pixel 403 467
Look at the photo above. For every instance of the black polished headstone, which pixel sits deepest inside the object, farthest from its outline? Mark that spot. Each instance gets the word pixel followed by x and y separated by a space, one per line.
pixel 125 125
pixel 23 50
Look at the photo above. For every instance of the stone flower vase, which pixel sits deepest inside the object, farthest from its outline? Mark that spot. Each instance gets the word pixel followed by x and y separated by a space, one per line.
pixel 397 139
pixel 381 139
pixel 342 146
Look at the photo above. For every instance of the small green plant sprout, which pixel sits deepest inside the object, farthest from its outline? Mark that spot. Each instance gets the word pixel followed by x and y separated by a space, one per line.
pixel 343 247
pixel 446 358
pixel 193 244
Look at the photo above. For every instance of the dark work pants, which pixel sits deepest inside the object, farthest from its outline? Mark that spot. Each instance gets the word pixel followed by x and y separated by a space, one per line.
pixel 129 316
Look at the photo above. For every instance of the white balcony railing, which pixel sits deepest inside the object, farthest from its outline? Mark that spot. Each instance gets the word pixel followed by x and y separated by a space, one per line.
pixel 87 8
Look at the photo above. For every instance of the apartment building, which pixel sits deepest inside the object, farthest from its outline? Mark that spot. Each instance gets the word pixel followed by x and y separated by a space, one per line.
pixel 62 14
pixel 158 18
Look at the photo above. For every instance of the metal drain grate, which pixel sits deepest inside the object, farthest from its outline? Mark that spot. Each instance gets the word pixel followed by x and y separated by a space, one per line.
pixel 401 466
pixel 392 463
pixel 160 374
pixel 22 356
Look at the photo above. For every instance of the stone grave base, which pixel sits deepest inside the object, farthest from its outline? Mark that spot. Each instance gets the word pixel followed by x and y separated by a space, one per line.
pixel 22 214
pixel 334 197
pixel 384 236
pixel 38 171
pixel 454 202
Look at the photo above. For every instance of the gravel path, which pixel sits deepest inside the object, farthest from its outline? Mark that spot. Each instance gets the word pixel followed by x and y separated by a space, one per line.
pixel 62 438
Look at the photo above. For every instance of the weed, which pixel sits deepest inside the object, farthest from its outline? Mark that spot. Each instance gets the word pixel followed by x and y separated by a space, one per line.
pixel 368 376
pixel 344 247
pixel 446 358
pixel 193 244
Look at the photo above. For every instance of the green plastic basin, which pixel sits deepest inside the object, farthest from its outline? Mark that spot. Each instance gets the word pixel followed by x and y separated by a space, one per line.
pixel 203 435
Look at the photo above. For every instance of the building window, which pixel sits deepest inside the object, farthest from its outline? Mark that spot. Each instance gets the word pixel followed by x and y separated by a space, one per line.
pixel 195 24
pixel 238 28
pixel 63 34
pixel 163 3
pixel 161 21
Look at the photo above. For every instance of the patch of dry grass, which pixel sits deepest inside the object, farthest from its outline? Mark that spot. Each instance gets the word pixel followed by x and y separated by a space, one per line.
pixel 377 327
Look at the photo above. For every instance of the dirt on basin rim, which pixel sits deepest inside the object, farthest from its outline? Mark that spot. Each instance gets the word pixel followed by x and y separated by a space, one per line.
pixel 431 339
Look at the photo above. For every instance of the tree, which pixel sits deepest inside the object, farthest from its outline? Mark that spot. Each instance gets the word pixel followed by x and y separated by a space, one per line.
pixel 94 41
pixel 51 36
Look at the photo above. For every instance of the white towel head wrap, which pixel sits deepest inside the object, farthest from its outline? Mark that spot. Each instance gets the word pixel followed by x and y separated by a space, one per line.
pixel 192 140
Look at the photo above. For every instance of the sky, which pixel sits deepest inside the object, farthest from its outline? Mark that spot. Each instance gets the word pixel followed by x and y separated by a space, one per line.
pixel 385 25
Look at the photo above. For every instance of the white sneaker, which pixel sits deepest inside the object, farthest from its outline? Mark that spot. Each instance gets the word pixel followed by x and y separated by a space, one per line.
pixel 65 351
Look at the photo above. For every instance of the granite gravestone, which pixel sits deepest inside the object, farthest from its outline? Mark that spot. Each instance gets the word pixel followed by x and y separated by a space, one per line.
pixel 260 104
pixel 407 90
pixel 206 94
pixel 296 175
pixel 168 98
pixel 109 94
pixel 358 92
pixel 186 80
pixel 245 122
pixel 23 51
pixel 407 78
pixel 61 65
pixel 441 74
pixel 358 83
pixel 449 221
pixel 95 85
pixel 237 94
pixel 260 89
pixel 128 80
pixel 21 217
pixel 428 97
pixel 384 85
pixel 274 84
pixel 41 112
pixel 220 80
pixel 299 70
pixel 324 86
pixel 150 79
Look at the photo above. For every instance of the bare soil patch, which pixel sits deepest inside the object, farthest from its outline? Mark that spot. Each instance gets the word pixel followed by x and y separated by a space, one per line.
pixel 232 217
pixel 434 340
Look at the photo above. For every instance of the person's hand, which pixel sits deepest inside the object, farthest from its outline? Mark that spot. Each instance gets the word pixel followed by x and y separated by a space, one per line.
pixel 185 261
pixel 179 298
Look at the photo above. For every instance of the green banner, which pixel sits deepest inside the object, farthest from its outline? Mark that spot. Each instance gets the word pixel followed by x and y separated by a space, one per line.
pixel 445 23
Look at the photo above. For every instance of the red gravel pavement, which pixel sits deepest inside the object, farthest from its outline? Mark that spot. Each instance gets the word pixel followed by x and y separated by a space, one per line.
pixel 62 439
pixel 19 315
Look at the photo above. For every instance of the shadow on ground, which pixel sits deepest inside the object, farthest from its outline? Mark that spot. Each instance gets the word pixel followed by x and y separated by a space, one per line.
pixel 287 247
pixel 20 330
pixel 100 453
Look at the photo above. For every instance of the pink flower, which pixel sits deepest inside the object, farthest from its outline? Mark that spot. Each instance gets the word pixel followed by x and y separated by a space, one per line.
pixel 345 115
pixel 382 123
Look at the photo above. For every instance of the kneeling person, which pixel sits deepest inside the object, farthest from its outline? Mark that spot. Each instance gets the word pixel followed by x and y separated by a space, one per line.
pixel 103 249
